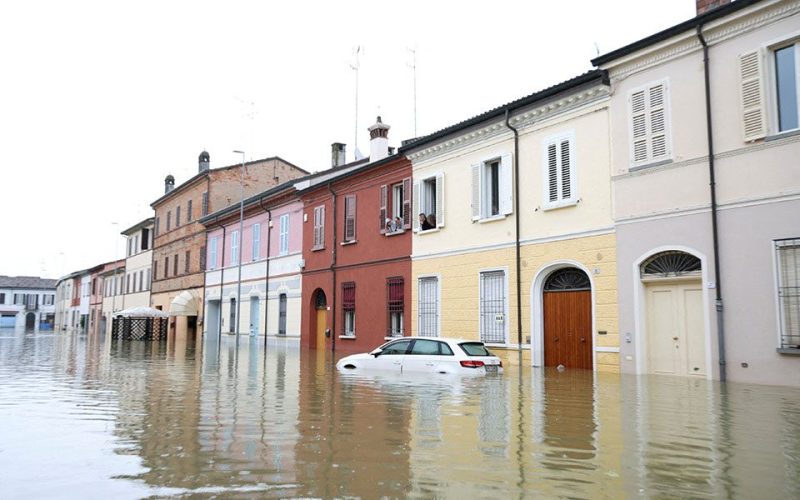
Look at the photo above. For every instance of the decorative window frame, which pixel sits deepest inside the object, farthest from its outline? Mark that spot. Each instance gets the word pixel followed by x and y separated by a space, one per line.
pixel 572 200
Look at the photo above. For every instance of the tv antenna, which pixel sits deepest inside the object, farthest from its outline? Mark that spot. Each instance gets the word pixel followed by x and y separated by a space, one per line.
pixel 356 66
pixel 413 66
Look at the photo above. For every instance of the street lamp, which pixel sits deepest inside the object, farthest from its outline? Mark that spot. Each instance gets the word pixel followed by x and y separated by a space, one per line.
pixel 116 268
pixel 241 245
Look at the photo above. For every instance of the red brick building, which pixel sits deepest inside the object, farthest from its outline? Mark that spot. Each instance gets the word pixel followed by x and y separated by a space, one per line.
pixel 356 289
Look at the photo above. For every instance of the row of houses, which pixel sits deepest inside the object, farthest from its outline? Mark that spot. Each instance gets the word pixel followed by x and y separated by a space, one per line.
pixel 641 217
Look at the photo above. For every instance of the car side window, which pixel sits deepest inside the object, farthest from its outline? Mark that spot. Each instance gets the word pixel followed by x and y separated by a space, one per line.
pixel 431 347
pixel 396 348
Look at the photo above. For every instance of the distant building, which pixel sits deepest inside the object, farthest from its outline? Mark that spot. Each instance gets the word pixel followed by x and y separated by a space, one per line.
pixel 138 263
pixel 113 276
pixel 179 240
pixel 27 302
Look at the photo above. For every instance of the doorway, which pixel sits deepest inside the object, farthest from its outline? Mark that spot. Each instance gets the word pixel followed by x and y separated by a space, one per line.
pixel 320 319
pixel 212 318
pixel 254 314
pixel 232 326
pixel 30 322
pixel 567 319
pixel 282 314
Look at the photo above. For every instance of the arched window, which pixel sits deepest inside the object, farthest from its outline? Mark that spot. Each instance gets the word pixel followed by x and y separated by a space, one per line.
pixel 320 301
pixel 567 279
pixel 671 264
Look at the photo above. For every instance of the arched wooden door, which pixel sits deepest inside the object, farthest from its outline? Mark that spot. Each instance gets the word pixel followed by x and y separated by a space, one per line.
pixel 567 319
pixel 321 311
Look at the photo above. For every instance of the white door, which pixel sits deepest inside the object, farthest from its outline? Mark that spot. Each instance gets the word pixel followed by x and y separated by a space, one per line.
pixel 254 315
pixel 675 333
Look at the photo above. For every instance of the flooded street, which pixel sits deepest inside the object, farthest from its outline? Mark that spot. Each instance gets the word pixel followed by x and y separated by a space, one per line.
pixel 85 417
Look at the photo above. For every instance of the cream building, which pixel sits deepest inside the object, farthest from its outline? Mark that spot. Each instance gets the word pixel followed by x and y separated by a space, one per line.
pixel 708 272
pixel 558 217
pixel 138 263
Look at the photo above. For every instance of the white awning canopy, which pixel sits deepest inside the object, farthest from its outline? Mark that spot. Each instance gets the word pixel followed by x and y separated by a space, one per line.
pixel 185 304
pixel 142 312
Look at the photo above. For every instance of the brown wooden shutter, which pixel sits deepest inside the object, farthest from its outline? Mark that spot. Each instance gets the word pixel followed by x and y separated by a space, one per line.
pixel 349 218
pixel 407 203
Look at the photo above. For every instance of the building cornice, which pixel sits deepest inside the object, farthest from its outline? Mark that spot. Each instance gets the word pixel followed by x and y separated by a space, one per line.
pixel 715 31
pixel 524 120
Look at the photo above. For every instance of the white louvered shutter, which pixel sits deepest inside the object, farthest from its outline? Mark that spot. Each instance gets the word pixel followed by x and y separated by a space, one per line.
pixel 476 191
pixel 552 172
pixel 565 170
pixel 750 71
pixel 415 201
pixel 506 185
pixel 639 126
pixel 382 211
pixel 649 124
pixel 439 200
pixel 657 102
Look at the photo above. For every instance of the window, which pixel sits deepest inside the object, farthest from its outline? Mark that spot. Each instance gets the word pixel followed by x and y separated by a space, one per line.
pixel 319 228
pixel 349 218
pixel 205 204
pixel 349 309
pixel 175 265
pixel 141 280
pixel 202 258
pixel 429 200
pixel 127 283
pixel 145 239
pixel 212 254
pixel 491 188
pixel 130 247
pixel 428 307
pixel 2 298
pixel 559 171
pixel 394 292
pixel 430 348
pixel 492 307
pixel 155 269
pixel 149 279
pixel 395 206
pixel 786 86
pixel 649 124
pixel 396 347
pixel 189 211
pixel 169 220
pixel 177 216
pixel 284 234
pixel 234 248
pixel 788 262
pixel 256 241
pixel 186 261
pixel 166 266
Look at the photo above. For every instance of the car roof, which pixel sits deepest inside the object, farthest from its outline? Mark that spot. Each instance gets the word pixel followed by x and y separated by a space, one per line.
pixel 441 339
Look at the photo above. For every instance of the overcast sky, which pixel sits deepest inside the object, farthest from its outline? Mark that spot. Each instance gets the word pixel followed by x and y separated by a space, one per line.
pixel 99 101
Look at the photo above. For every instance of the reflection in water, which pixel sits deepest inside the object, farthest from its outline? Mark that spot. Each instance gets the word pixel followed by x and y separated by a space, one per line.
pixel 84 416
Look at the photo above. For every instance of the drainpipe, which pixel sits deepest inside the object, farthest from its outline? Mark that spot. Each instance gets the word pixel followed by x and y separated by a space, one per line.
pixel 266 301
pixel 221 283
pixel 516 235
pixel 715 233
pixel 333 270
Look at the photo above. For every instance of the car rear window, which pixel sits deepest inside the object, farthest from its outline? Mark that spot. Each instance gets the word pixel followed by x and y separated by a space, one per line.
pixel 475 349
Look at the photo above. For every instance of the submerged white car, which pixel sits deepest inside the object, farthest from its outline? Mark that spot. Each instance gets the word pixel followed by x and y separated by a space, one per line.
pixel 426 355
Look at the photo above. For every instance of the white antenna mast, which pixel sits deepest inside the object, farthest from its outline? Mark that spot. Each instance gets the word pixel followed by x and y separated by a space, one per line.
pixel 355 67
pixel 413 67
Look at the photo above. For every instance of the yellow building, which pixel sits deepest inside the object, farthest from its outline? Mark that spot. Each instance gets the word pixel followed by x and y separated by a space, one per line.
pixel 476 229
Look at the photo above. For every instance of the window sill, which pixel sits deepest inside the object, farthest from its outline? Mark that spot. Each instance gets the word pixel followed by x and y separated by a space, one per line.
pixel 351 242
pixel 317 249
pixel 791 351
pixel 560 204
pixel 395 233
pixel 654 164
pixel 782 135
pixel 347 337
pixel 493 218
pixel 394 337
pixel 429 231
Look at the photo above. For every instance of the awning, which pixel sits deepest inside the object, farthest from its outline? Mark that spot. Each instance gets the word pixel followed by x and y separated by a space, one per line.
pixel 142 312
pixel 185 304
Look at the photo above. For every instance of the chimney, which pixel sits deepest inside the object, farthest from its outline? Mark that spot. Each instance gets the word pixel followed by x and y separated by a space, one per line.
pixel 169 184
pixel 203 162
pixel 378 141
pixel 338 154
pixel 704 6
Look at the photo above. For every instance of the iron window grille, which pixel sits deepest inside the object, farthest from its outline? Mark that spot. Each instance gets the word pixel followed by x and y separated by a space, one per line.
pixel 493 307
pixel 394 291
pixel 788 262
pixel 349 309
pixel 428 307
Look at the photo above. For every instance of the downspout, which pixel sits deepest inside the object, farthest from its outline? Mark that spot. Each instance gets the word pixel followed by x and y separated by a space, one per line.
pixel 266 294
pixel 516 235
pixel 715 233
pixel 333 270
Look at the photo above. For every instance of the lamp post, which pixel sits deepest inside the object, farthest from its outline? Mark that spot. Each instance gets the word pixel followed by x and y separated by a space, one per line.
pixel 116 268
pixel 239 250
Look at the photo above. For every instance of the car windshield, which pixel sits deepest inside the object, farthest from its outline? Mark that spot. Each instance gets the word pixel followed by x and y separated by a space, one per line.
pixel 475 349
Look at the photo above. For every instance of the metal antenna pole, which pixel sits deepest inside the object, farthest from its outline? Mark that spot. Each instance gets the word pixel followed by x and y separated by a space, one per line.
pixel 414 72
pixel 355 67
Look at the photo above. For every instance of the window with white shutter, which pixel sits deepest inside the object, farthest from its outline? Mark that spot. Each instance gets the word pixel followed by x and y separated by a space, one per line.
pixel 559 178
pixel 786 87
pixel 429 201
pixel 491 188
pixel 284 234
pixel 649 125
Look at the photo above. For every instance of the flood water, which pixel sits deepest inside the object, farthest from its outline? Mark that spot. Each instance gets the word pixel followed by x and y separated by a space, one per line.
pixel 90 418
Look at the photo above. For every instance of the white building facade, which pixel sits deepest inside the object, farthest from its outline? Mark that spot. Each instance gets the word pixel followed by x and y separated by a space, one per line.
pixel 27 302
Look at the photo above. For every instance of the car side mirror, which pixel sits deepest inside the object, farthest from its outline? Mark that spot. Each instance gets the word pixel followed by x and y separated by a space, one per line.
pixel 376 352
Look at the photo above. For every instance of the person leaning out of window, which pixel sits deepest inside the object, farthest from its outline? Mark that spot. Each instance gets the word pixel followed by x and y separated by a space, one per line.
pixel 424 222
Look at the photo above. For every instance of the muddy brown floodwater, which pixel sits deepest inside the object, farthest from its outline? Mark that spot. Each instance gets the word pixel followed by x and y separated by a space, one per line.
pixel 84 417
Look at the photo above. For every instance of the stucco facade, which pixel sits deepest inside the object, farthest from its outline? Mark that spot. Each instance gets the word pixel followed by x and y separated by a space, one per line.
pixel 270 245
pixel 138 263
pixel 662 198
pixel 27 302
pixel 565 221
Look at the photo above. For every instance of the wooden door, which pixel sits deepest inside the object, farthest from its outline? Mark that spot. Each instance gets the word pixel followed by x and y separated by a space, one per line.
pixel 568 328
pixel 322 322
pixel 675 332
